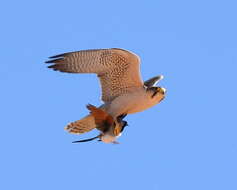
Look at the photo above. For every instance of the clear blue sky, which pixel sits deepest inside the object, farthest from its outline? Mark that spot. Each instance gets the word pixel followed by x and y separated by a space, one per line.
pixel 188 142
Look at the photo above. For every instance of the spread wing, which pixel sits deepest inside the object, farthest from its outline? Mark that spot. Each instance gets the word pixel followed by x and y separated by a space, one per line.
pixel 103 120
pixel 117 69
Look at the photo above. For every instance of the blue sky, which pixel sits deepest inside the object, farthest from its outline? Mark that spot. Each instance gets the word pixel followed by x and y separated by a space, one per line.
pixel 186 142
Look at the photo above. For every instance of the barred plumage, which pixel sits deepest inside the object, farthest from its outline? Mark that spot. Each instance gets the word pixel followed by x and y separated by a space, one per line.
pixel 123 90
pixel 118 69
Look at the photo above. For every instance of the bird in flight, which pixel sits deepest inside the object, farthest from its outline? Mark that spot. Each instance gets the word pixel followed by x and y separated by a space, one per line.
pixel 123 90
pixel 106 124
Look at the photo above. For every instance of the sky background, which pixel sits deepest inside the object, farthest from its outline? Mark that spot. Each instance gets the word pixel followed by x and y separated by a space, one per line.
pixel 186 142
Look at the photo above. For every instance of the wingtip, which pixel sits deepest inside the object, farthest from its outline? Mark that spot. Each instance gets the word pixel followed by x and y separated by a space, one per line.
pixel 52 67
pixel 49 61
pixel 161 77
pixel 92 108
pixel 57 60
pixel 58 55
pixel 89 106
pixel 87 140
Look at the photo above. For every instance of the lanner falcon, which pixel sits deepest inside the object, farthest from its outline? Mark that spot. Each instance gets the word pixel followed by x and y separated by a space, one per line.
pixel 123 90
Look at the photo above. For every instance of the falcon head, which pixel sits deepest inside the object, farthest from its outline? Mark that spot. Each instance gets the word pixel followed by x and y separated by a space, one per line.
pixel 156 93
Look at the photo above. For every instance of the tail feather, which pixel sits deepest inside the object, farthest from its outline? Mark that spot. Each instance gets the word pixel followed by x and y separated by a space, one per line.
pixel 83 125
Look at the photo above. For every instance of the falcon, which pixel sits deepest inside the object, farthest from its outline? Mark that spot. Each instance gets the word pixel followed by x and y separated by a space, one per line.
pixel 123 90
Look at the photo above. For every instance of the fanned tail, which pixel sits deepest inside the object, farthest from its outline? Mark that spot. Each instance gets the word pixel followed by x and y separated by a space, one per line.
pixel 83 125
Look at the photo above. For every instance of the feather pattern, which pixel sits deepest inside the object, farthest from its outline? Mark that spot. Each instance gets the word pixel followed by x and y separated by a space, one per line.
pixel 117 69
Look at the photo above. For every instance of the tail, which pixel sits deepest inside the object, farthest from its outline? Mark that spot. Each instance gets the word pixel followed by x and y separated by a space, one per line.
pixel 84 125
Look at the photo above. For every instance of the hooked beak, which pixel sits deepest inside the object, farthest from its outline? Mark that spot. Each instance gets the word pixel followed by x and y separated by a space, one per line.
pixel 86 140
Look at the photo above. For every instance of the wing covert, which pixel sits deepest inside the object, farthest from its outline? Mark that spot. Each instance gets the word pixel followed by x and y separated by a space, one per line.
pixel 117 69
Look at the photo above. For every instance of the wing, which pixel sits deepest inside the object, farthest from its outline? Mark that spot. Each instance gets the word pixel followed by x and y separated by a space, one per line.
pixel 117 69
pixel 153 81
pixel 103 120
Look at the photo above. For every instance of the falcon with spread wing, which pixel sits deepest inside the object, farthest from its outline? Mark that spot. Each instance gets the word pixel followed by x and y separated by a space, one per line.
pixel 123 90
